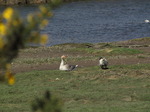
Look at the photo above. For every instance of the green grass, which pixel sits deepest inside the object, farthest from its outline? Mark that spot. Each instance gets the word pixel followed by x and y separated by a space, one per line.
pixel 103 51
pixel 36 60
pixel 96 49
pixel 123 88
pixel 125 51
pixel 146 39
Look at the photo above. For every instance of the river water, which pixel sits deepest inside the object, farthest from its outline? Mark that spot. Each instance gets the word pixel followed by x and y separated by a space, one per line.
pixel 96 21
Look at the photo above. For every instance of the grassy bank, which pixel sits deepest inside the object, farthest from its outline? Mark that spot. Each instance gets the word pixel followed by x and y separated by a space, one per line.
pixel 124 87
pixel 119 89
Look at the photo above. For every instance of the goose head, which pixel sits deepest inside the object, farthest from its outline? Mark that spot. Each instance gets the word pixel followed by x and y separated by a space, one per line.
pixel 100 58
pixel 63 57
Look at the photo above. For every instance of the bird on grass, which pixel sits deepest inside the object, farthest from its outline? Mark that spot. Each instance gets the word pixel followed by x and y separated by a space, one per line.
pixel 103 63
pixel 64 66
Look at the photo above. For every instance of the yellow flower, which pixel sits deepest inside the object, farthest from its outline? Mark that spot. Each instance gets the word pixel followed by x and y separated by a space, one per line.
pixel 1 42
pixel 2 29
pixel 8 13
pixel 49 14
pixel 11 80
pixel 43 9
pixel 44 39
pixel 10 77
pixel 44 23
pixel 30 18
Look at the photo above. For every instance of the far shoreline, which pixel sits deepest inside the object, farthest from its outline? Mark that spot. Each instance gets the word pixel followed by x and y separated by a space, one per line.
pixel 30 2
pixel 139 41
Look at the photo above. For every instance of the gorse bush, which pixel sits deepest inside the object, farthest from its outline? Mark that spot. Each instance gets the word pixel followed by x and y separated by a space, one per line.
pixel 17 33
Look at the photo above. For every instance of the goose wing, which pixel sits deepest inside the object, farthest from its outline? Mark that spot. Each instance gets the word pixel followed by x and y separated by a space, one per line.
pixel 105 62
pixel 72 67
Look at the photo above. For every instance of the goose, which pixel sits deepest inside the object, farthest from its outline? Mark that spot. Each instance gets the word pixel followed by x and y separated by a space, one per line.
pixel 103 63
pixel 64 66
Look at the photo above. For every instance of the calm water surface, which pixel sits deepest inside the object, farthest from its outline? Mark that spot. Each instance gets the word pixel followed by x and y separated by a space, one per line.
pixel 95 21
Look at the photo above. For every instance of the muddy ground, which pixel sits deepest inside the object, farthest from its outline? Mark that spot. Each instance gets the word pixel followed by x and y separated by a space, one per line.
pixel 141 44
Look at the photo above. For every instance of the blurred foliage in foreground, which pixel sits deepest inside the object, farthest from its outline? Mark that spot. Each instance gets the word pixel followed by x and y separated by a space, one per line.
pixel 17 33
pixel 48 103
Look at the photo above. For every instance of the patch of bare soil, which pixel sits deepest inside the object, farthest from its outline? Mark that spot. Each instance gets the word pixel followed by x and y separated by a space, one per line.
pixel 135 59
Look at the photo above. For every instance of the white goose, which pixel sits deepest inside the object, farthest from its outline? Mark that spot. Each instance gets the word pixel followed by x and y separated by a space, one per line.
pixel 103 63
pixel 64 66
